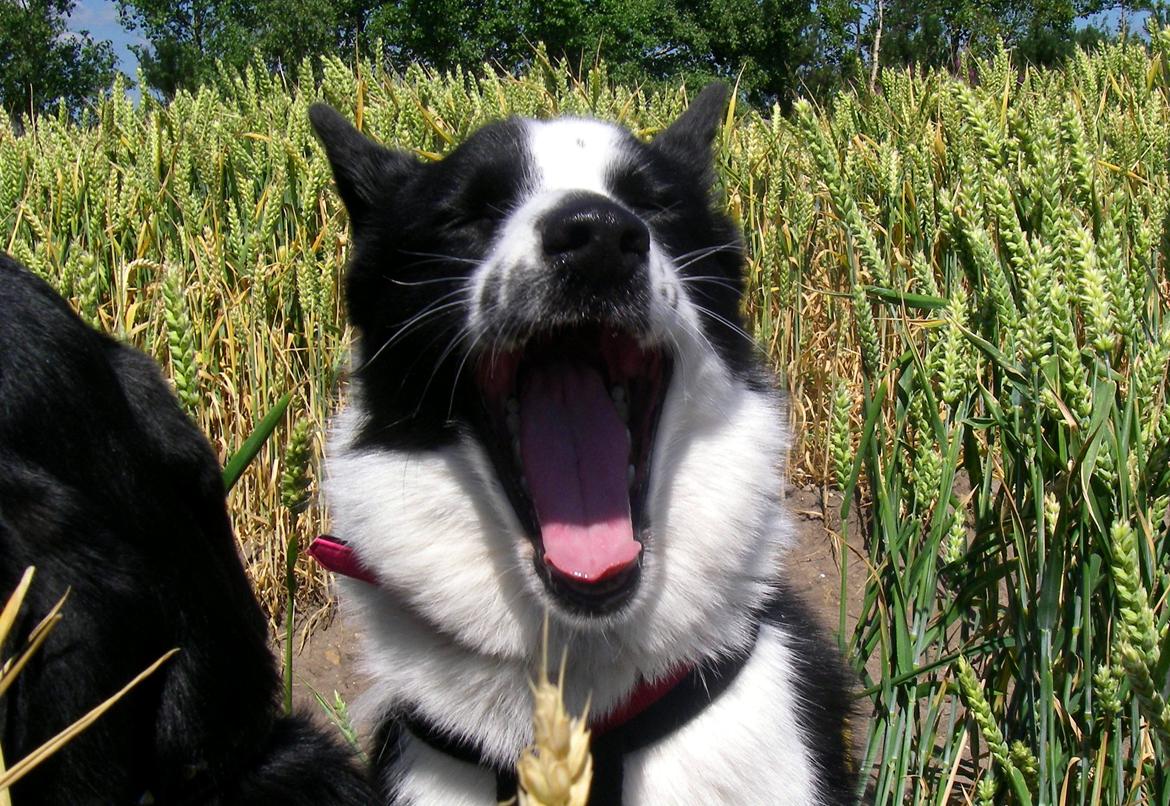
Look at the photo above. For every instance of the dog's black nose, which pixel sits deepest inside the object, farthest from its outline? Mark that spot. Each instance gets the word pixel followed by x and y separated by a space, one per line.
pixel 591 235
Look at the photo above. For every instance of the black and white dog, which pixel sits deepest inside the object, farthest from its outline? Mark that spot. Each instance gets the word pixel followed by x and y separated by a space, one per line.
pixel 114 495
pixel 554 407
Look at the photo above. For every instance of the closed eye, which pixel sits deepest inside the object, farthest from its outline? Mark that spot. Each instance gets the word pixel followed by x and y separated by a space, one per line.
pixel 485 198
pixel 478 213
pixel 639 193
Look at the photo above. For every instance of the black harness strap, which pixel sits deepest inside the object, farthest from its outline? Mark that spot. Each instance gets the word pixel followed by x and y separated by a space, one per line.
pixel 697 690
pixel 461 749
pixel 683 703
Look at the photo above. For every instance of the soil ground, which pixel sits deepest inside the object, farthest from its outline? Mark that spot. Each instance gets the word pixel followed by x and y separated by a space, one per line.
pixel 326 661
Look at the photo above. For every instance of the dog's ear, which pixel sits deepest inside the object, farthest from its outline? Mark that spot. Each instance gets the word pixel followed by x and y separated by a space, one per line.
pixel 690 137
pixel 363 170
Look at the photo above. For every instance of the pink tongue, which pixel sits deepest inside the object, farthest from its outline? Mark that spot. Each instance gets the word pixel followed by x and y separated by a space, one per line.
pixel 575 452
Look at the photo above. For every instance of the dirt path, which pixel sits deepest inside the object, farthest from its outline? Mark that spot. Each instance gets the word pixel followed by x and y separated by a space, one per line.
pixel 328 661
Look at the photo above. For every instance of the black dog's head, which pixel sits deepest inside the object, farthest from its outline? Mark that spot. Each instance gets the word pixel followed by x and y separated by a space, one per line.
pixel 538 294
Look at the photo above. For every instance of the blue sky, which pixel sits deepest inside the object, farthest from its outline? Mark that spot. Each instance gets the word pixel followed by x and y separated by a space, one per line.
pixel 100 18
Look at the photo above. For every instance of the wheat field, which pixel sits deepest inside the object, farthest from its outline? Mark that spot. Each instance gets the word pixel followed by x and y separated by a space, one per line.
pixel 962 283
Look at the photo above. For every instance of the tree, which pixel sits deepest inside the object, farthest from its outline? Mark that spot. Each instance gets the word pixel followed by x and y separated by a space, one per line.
pixel 766 44
pixel 772 44
pixel 42 64
pixel 188 39
pixel 934 33
pixel 444 34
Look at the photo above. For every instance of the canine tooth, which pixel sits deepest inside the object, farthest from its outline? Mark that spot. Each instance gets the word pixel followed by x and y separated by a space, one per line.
pixel 630 473
pixel 622 409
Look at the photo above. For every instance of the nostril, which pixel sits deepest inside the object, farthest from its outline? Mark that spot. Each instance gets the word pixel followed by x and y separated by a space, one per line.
pixel 566 235
pixel 578 235
pixel 635 240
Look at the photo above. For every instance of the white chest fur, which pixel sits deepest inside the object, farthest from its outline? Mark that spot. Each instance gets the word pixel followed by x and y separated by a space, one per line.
pixel 746 749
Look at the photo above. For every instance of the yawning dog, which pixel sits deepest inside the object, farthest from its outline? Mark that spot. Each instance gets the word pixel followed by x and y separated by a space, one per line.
pixel 554 407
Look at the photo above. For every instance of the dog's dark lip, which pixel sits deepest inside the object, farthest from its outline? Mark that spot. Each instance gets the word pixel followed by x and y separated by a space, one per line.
pixel 645 373
pixel 598 599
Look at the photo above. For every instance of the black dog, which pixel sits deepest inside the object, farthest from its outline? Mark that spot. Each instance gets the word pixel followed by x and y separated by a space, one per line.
pixel 110 491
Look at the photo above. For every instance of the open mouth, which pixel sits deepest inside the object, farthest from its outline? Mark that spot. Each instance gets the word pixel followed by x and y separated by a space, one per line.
pixel 571 419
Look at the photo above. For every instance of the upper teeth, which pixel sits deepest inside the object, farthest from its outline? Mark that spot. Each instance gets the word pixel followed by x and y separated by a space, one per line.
pixel 512 419
pixel 618 395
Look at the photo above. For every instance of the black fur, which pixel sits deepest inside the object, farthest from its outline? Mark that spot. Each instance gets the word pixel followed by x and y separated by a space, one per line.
pixel 822 685
pixel 113 495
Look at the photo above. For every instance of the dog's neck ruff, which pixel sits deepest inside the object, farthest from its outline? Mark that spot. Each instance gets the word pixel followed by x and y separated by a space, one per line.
pixel 653 710
pixel 337 556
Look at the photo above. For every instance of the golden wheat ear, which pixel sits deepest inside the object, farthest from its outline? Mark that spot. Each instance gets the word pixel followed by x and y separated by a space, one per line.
pixel 556 769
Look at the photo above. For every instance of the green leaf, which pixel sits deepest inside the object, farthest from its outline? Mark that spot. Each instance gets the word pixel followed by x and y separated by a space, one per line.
pixel 238 462
pixel 919 301
pixel 873 409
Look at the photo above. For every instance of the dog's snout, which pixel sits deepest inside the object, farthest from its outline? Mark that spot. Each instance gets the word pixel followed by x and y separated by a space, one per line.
pixel 596 236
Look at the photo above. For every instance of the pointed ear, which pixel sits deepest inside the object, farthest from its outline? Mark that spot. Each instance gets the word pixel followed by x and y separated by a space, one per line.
pixel 363 170
pixel 691 136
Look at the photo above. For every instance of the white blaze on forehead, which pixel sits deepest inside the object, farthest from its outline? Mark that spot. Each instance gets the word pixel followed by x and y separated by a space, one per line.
pixel 574 153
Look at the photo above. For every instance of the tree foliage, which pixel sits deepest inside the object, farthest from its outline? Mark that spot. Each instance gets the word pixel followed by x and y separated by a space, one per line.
pixel 934 33
pixel 774 49
pixel 42 64
pixel 188 39
pixel 764 44
pixel 770 46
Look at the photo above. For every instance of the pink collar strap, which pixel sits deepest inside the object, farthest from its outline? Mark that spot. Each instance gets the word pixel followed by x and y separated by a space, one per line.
pixel 337 556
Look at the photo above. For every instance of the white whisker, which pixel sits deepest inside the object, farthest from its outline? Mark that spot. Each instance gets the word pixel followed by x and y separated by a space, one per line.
pixel 414 322
pixel 732 326
pixel 426 282
pixel 440 257
pixel 687 259
pixel 727 283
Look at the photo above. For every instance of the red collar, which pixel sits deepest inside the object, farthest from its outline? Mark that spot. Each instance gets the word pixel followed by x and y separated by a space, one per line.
pixel 640 699
pixel 337 556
